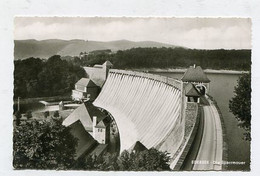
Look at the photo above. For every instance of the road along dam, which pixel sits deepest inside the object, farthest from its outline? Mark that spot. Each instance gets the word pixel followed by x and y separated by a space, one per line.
pixel 146 107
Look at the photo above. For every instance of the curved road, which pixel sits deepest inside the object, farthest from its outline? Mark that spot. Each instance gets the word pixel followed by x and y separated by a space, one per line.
pixel 210 151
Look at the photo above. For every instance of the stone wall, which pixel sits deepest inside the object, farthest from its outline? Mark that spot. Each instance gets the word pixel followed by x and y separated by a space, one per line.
pixel 146 107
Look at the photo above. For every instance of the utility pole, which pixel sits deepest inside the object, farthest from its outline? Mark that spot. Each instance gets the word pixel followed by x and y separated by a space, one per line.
pixel 18 104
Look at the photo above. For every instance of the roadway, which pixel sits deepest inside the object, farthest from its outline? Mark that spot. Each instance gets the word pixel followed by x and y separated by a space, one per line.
pixel 210 152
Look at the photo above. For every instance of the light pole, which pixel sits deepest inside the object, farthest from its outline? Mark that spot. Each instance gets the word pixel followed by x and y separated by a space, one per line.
pixel 18 104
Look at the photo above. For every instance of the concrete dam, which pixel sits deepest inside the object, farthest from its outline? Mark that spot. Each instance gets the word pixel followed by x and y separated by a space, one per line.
pixel 147 108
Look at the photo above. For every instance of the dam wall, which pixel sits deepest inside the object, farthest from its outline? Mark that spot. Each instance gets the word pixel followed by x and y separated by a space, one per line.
pixel 147 108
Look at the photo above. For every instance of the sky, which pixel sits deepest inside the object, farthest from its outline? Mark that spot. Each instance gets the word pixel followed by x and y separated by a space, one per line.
pixel 198 33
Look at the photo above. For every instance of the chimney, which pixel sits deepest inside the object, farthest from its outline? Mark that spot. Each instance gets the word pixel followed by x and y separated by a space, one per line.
pixel 94 121
pixel 93 126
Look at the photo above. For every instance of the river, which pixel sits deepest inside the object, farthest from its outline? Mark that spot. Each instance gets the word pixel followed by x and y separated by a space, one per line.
pixel 222 90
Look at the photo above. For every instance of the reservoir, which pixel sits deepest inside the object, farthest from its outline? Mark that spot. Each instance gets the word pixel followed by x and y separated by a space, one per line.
pixel 222 90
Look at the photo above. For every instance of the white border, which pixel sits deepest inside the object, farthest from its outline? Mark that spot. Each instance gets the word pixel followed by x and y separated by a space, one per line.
pixel 133 8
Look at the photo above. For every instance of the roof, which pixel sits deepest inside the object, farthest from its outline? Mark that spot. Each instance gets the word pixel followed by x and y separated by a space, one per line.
pixel 190 90
pixel 138 146
pixel 97 66
pixel 108 63
pixel 101 124
pixel 86 82
pixel 99 149
pixel 94 111
pixel 195 75
pixel 85 140
pixel 84 113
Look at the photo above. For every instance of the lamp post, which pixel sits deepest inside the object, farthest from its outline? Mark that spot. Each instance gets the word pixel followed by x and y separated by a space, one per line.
pixel 18 108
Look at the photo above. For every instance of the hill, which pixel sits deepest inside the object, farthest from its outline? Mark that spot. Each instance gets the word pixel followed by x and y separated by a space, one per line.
pixel 47 48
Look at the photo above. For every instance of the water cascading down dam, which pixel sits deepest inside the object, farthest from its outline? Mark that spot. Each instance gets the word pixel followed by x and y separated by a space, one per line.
pixel 146 107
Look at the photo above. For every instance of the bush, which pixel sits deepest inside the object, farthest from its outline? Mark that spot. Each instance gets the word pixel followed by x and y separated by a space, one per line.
pixel 46 114
pixel 29 114
pixel 56 114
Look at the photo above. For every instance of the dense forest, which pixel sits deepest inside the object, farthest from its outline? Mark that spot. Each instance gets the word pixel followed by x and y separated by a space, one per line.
pixel 173 58
pixel 34 77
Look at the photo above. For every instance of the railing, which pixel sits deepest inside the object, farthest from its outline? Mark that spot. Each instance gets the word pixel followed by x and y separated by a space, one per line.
pixel 167 80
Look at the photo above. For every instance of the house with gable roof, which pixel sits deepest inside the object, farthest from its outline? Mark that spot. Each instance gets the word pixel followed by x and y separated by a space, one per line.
pixel 196 76
pixel 191 93
pixel 85 89
pixel 98 73
pixel 86 143
pixel 95 122
pixel 137 147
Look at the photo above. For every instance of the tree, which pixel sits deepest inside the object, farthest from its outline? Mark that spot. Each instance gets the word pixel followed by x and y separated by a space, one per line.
pixel 18 116
pixel 34 77
pixel 104 162
pixel 29 114
pixel 46 114
pixel 147 160
pixel 43 145
pixel 56 114
pixel 240 104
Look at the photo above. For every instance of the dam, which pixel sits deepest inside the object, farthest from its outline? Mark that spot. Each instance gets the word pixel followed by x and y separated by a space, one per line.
pixel 175 116
pixel 146 107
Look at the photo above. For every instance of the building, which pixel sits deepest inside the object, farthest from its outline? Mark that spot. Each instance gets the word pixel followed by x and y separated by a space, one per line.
pixel 95 122
pixel 192 94
pixel 137 147
pixel 86 143
pixel 85 89
pixel 99 150
pixel 98 73
pixel 196 76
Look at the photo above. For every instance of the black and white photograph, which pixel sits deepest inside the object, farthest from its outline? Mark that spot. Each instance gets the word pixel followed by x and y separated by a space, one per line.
pixel 132 93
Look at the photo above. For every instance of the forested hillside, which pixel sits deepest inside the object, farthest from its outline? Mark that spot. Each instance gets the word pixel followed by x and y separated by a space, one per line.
pixel 46 48
pixel 34 77
pixel 174 58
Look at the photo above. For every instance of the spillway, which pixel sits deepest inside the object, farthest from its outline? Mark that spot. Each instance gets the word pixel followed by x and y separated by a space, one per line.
pixel 146 107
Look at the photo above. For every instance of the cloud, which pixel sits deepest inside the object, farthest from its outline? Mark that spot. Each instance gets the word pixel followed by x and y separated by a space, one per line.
pixel 206 33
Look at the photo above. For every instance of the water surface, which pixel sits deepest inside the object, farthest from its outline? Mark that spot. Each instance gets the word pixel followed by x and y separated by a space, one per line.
pixel 222 90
